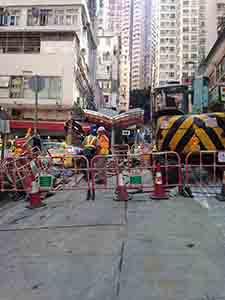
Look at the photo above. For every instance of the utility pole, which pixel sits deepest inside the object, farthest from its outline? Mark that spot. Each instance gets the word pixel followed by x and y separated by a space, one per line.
pixel 36 111
pixel 36 84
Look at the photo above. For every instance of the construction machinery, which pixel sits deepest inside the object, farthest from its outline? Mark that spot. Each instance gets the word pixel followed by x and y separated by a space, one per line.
pixel 178 128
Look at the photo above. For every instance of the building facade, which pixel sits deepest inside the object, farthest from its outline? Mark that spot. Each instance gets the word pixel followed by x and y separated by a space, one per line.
pixel 181 39
pixel 53 39
pixel 109 16
pixel 140 43
pixel 108 62
pixel 125 61
pixel 213 68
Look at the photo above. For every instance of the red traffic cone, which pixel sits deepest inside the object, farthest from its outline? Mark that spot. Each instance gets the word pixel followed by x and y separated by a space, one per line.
pixel 34 197
pixel 159 191
pixel 121 190
pixel 221 196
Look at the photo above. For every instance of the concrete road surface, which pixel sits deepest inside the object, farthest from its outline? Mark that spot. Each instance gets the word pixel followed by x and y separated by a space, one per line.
pixel 104 250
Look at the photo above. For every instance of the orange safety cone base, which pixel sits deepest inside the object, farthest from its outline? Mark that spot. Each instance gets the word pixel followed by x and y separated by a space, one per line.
pixel 159 190
pixel 121 194
pixel 35 201
pixel 161 197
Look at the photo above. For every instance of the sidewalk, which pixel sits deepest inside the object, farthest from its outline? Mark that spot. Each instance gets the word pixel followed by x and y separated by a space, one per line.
pixel 166 250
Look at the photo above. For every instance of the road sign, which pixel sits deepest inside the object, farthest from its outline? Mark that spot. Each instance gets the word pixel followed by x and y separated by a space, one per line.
pixel 126 132
pixel 136 180
pixel 37 83
pixel 45 182
pixel 221 156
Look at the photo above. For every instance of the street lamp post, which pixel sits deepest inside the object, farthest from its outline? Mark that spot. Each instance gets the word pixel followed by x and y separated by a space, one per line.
pixel 36 110
pixel 36 84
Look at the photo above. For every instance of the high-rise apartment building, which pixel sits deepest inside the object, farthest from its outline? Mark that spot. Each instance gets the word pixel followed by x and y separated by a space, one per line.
pixel 220 14
pixel 109 16
pixel 131 20
pixel 191 37
pixel 215 20
pixel 181 39
pixel 125 60
pixel 108 68
pixel 140 43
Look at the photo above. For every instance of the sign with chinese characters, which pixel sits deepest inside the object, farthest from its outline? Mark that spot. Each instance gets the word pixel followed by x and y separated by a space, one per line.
pixel 211 122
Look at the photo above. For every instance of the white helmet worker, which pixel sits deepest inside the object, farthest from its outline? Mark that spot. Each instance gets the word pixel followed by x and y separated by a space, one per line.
pixel 101 129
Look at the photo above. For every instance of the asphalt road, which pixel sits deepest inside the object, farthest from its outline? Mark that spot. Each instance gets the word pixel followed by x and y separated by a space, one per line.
pixel 105 250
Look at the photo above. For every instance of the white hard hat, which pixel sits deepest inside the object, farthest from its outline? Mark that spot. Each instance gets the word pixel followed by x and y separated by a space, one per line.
pixel 101 128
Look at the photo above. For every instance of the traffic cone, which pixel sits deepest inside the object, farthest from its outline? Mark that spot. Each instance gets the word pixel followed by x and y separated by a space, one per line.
pixel 221 196
pixel 159 191
pixel 121 190
pixel 34 197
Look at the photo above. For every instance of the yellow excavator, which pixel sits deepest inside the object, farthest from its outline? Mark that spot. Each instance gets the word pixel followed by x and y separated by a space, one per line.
pixel 180 131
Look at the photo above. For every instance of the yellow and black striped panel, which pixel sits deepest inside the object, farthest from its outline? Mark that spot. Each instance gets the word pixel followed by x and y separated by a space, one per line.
pixel 180 131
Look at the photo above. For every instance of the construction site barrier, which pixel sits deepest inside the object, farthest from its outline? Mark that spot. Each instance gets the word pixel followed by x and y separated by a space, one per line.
pixel 141 149
pixel 204 168
pixel 120 149
pixel 138 172
pixel 53 174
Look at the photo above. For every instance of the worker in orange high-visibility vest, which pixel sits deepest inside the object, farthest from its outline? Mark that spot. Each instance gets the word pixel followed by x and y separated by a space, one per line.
pixel 102 150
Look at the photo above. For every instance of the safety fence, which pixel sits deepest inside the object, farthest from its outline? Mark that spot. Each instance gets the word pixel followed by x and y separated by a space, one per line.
pixel 138 171
pixel 204 168
pixel 103 173
pixel 52 173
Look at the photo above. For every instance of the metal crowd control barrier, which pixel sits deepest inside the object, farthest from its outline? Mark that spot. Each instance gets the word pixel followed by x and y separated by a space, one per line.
pixel 138 172
pixel 71 173
pixel 53 174
pixel 141 149
pixel 70 170
pixel 122 151
pixel 204 168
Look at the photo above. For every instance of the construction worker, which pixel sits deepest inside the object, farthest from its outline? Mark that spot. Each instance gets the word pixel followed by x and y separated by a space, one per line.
pixel 90 143
pixel 102 149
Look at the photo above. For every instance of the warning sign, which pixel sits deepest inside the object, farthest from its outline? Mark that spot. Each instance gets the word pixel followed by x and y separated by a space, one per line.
pixel 211 122
pixel 126 132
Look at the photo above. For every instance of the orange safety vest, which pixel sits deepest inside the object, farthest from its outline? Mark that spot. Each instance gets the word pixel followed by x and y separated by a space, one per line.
pixel 103 143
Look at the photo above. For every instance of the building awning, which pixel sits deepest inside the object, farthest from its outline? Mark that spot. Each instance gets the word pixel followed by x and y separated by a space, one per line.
pixel 123 120
pixel 51 126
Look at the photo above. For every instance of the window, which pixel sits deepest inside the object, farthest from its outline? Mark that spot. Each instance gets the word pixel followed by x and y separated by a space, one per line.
pixel 53 88
pixel 16 42
pixel 43 17
pixel 16 87
pixel 19 88
pixel 71 17
pixel 40 17
pixel 106 99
